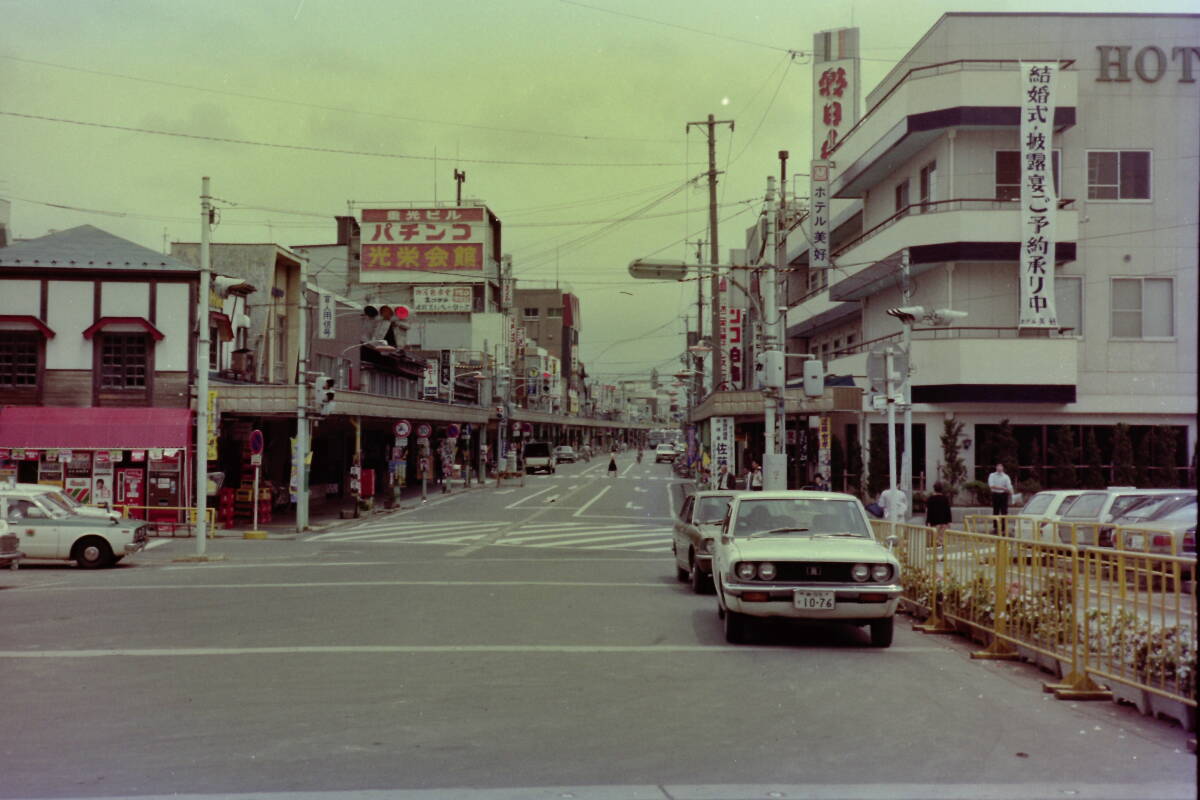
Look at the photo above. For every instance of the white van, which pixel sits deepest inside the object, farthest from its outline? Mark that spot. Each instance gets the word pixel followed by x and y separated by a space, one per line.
pixel 539 456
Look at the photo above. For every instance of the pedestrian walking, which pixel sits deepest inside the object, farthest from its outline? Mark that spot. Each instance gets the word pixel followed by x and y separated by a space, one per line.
pixel 754 480
pixel 894 504
pixel 1001 488
pixel 937 512
pixel 612 465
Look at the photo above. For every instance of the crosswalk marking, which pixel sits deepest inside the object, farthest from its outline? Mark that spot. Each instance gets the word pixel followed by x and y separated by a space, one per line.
pixel 570 534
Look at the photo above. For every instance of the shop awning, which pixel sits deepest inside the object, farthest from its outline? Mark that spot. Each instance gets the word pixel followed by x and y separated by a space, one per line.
pixel 44 427
pixel 124 325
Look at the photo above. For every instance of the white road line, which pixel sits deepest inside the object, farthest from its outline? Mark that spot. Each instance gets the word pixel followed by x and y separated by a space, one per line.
pixel 568 541
pixel 671 502
pixel 597 649
pixel 513 505
pixel 588 504
pixel 632 507
pixel 352 585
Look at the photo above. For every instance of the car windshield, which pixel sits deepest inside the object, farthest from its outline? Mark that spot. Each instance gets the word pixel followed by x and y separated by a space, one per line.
pixel 20 508
pixel 803 516
pixel 712 509
pixel 1086 506
pixel 1152 507
pixel 61 500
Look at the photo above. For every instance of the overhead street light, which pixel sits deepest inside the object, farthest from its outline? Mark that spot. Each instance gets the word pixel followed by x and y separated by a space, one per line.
pixel 660 270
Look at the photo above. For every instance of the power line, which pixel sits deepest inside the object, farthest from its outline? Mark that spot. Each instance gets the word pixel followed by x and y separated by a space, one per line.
pixel 338 151
pixel 677 27
pixel 337 109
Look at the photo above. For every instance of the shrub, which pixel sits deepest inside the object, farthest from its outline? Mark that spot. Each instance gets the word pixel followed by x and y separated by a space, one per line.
pixel 979 492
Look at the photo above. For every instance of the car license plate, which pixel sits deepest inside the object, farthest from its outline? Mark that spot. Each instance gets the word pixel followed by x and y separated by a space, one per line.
pixel 809 601
pixel 1134 542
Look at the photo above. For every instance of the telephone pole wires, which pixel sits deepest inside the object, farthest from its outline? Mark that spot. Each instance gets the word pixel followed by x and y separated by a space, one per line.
pixel 714 257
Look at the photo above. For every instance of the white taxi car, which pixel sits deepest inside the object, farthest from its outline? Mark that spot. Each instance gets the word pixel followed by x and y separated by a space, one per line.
pixel 49 528
pixel 803 555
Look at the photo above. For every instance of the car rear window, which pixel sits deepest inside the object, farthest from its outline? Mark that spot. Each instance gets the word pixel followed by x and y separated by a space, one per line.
pixel 1037 504
pixel 537 450
pixel 1086 506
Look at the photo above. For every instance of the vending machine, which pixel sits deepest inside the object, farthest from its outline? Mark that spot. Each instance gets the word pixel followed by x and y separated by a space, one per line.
pixel 163 486
pixel 131 490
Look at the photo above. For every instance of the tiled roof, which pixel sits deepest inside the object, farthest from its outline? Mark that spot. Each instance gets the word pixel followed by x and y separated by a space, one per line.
pixel 88 247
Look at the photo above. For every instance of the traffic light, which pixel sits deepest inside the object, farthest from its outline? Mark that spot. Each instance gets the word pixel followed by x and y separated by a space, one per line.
pixel 546 382
pixel 323 392
pixel 225 285
pixel 814 378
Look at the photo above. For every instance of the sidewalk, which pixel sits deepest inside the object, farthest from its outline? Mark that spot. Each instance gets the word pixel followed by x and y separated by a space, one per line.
pixel 330 515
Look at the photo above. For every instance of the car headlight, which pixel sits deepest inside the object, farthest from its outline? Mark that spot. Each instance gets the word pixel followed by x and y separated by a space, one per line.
pixel 746 570
pixel 881 572
pixel 860 572
pixel 766 571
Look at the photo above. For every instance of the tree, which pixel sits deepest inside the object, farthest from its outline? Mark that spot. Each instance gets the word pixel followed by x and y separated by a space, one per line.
pixel 953 470
pixel 1093 474
pixel 1063 455
pixel 1124 473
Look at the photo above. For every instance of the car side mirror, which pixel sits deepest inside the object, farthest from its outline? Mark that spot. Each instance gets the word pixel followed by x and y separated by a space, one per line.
pixel 726 538
pixel 892 541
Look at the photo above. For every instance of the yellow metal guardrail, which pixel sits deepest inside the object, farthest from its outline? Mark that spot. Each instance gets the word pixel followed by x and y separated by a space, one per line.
pixel 172 526
pixel 1115 616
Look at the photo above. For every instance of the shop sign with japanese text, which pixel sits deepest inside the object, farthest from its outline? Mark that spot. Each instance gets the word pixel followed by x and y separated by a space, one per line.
pixel 396 241
pixel 455 299
pixel 1038 202
pixel 836 89
pixel 731 340
pixel 722 443
pixel 431 377
pixel 326 315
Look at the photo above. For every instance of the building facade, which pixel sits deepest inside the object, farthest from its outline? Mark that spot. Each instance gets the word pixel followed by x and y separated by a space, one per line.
pixel 926 194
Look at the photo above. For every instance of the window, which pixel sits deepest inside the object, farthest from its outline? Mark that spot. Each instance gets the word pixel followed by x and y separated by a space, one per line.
pixel 18 359
pixel 1118 174
pixel 928 185
pixel 123 358
pixel 554 312
pixel 281 350
pixel 1008 174
pixel 1068 300
pixel 902 195
pixel 532 313
pixel 1143 308
pixel 214 345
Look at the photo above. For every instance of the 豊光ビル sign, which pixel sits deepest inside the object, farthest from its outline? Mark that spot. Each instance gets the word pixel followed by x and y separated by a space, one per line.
pixel 444 299
pixel 399 241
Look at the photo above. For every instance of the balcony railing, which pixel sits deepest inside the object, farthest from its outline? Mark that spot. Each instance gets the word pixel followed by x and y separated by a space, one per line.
pixel 936 207
pixel 943 68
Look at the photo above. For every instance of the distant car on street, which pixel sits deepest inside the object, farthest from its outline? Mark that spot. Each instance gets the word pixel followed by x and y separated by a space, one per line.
pixel 664 452
pixel 696 528
pixel 1035 519
pixel 565 453
pixel 803 555
pixel 538 458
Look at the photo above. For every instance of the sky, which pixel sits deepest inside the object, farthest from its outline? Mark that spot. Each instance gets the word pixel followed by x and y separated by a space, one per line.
pixel 569 118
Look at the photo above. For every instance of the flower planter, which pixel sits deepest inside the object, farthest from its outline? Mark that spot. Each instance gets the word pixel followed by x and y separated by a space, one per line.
pixel 1159 707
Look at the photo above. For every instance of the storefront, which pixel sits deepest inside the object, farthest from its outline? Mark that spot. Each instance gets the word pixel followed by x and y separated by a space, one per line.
pixel 135 458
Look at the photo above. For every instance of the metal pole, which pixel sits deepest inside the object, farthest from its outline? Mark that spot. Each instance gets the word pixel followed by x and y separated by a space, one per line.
pixel 891 429
pixel 301 454
pixel 906 390
pixel 768 344
pixel 202 353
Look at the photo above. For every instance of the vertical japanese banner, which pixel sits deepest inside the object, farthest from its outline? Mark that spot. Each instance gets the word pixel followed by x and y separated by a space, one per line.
pixel 721 435
pixel 1038 201
pixel 825 449
pixel 430 385
pixel 730 338
pixel 837 86
pixel 326 316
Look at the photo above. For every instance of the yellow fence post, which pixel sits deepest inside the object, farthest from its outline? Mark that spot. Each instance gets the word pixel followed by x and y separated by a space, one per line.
pixel 1077 684
pixel 934 623
pixel 999 649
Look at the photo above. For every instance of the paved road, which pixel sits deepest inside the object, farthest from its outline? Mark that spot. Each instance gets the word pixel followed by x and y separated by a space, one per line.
pixel 518 657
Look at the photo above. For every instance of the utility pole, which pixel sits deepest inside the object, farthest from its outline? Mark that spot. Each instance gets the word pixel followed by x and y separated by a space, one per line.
pixel 302 423
pixel 906 385
pixel 203 344
pixel 460 177
pixel 714 253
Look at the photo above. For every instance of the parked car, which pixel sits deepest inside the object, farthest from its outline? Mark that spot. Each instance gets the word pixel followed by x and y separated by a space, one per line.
pixel 539 458
pixel 1092 510
pixel 1163 524
pixel 61 498
pixel 664 452
pixel 696 528
pixel 564 453
pixel 48 529
pixel 1035 519
pixel 10 552
pixel 803 555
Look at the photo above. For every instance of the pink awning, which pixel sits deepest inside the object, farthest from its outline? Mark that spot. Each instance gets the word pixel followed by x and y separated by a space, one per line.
pixel 42 427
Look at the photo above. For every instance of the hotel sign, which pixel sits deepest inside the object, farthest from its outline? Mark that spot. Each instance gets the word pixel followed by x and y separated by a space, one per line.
pixel 1038 202
pixel 836 88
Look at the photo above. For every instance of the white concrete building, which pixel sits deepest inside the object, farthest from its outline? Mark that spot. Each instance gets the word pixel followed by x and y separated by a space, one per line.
pixel 933 168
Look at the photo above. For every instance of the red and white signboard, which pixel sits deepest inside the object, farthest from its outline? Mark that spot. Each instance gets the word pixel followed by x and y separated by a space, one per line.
pixel 731 340
pixel 444 299
pixel 836 89
pixel 396 241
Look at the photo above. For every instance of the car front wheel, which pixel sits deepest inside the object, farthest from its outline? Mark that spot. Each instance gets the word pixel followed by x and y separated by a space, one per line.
pixel 700 583
pixel 92 553
pixel 881 632
pixel 736 627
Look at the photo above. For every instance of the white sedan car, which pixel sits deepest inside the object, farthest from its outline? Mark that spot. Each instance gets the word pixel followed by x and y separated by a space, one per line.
pixel 803 555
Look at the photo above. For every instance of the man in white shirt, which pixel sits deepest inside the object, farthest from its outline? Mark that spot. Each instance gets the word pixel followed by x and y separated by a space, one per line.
pixel 894 503
pixel 1001 488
